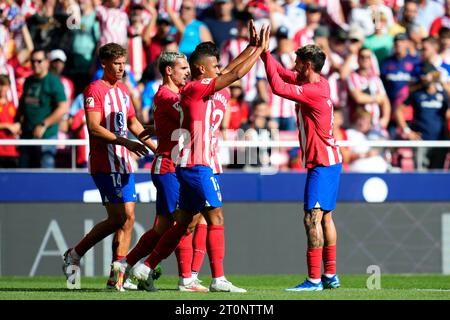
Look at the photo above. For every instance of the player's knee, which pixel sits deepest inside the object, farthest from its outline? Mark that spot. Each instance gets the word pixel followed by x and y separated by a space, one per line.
pixel 216 217
pixel 118 221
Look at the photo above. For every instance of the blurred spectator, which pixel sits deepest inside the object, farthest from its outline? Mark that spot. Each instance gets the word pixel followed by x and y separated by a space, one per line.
pixel 430 54
pixel 355 43
pixel 305 35
pixel 282 111
pixel 81 51
pixel 41 108
pixel 113 22
pixel 367 91
pixel 237 113
pixel 190 31
pixel 78 129
pixel 148 94
pixel 431 114
pixel 142 23
pixel 361 16
pixel 295 16
pixel 253 83
pixel 396 76
pixel 340 134
pixel 155 43
pixel 48 25
pixel 259 130
pixel 444 45
pixel 152 80
pixel 335 49
pixel 378 8
pixel 441 22
pixel 58 60
pixel 428 11
pixel 222 24
pixel 408 23
pixel 380 43
pixel 364 158
pixel 8 128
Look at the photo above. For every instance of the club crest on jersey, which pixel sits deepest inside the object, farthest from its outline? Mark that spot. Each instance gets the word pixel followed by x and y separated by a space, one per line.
pixel 206 81
pixel 89 102
pixel 125 100
pixel 120 120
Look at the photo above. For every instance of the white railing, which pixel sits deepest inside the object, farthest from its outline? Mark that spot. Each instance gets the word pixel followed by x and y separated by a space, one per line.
pixel 241 144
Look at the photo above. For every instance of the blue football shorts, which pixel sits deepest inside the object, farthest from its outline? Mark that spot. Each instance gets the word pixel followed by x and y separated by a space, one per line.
pixel 322 184
pixel 167 192
pixel 115 187
pixel 198 188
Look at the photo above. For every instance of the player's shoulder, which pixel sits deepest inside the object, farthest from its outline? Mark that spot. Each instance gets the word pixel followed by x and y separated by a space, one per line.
pixel 123 87
pixel 196 84
pixel 163 94
pixel 94 87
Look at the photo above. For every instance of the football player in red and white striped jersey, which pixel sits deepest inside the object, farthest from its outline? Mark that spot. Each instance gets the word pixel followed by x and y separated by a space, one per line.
pixel 199 190
pixel 109 116
pixel 321 156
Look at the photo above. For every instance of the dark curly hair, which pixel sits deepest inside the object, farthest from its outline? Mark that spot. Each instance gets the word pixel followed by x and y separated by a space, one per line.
pixel 111 51
pixel 203 50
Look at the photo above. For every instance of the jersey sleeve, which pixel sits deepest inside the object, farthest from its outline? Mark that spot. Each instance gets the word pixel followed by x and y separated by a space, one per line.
pixel 286 75
pixel 92 102
pixel 280 87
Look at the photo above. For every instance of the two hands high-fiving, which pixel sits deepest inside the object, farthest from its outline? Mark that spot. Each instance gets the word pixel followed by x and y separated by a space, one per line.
pixel 261 39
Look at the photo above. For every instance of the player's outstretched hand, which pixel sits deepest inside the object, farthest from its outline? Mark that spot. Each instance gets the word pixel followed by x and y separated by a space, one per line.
pixel 253 34
pixel 265 37
pixel 147 133
pixel 136 147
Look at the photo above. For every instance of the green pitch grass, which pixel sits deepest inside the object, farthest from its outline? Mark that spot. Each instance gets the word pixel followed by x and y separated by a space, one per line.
pixel 266 287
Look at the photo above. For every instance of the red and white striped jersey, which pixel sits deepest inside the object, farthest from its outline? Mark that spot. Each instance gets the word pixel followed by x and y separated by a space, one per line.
pixel 371 85
pixel 137 56
pixel 113 25
pixel 174 4
pixel 197 107
pixel 304 37
pixel 12 95
pixel 230 50
pixel 315 113
pixel 69 89
pixel 166 113
pixel 220 104
pixel 116 109
pixel 281 107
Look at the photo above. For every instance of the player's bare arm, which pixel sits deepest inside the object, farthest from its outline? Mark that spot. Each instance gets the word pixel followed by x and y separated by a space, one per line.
pixel 149 131
pixel 254 40
pixel 138 130
pixel 93 120
pixel 279 87
pixel 244 67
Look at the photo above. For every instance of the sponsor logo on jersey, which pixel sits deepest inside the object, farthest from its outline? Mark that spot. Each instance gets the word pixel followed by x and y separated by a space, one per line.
pixel 89 102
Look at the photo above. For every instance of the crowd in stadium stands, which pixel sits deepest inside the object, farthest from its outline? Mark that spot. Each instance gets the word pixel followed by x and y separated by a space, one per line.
pixel 388 65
